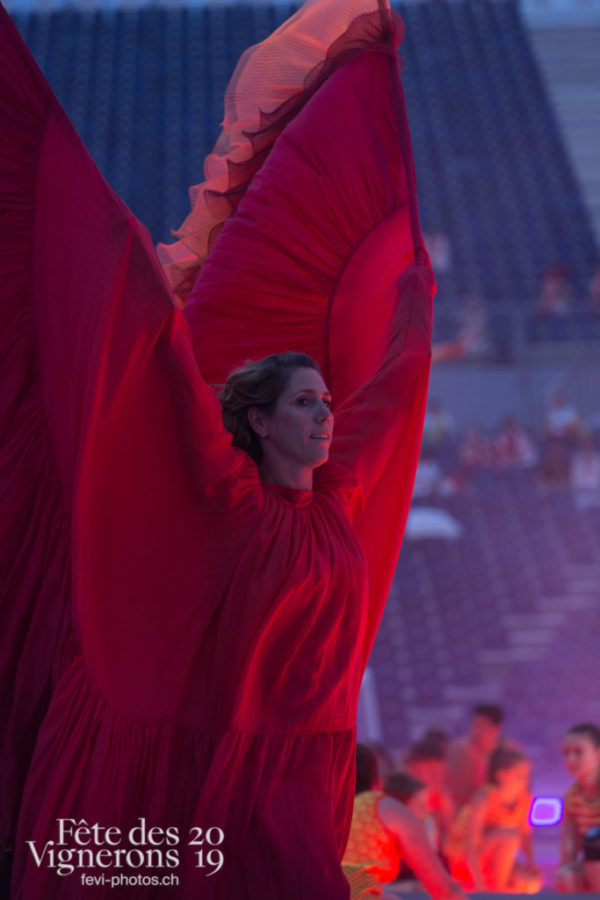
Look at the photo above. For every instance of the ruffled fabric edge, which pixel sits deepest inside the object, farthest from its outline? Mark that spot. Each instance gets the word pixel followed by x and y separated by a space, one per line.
pixel 271 84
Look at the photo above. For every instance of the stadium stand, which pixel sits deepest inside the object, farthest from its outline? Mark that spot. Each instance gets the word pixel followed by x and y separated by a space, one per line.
pixel 144 89
pixel 495 613
pixel 569 60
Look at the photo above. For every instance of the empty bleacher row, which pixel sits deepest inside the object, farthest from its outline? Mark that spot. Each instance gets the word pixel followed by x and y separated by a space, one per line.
pixel 145 90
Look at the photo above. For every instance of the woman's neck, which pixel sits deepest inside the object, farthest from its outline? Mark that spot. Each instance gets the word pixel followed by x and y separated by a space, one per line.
pixel 298 477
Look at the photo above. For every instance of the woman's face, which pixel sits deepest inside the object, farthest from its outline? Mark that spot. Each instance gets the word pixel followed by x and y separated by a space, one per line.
pixel 581 756
pixel 300 429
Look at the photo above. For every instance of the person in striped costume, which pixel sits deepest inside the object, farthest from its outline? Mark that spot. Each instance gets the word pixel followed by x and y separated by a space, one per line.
pixel 580 846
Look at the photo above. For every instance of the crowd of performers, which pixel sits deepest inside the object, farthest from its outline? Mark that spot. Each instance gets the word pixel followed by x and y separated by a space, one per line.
pixel 471 798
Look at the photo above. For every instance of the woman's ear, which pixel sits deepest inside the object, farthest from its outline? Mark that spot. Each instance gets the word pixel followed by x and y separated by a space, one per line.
pixel 257 421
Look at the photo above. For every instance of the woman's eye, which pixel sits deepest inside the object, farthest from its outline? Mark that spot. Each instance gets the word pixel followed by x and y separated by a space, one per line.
pixel 306 401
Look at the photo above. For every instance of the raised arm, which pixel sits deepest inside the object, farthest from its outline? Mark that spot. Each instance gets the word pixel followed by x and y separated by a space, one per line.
pixel 474 839
pixel 383 420
pixel 332 208
pixel 569 844
pixel 417 850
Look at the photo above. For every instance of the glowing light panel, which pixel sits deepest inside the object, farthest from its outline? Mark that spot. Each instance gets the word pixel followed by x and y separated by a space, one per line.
pixel 546 811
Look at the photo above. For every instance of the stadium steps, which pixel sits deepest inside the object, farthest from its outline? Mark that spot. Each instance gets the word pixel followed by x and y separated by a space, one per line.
pixel 570 61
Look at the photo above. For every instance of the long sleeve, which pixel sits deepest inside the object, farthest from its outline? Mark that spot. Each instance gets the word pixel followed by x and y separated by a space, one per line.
pixel 313 256
pixel 372 422
pixel 377 437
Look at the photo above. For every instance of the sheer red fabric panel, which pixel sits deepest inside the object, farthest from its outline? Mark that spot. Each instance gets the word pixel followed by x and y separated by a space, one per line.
pixel 314 259
pixel 105 399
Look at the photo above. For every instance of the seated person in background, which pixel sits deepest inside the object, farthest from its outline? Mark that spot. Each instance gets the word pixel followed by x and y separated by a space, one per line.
pixel 439 738
pixel 474 327
pixel 474 451
pixel 493 827
pixel 428 477
pixel 440 251
pixel 512 447
pixel 383 833
pixel 413 793
pixel 556 294
pixel 580 845
pixel 385 762
pixel 562 420
pixel 408 790
pixel 553 467
pixel 426 761
pixel 439 426
pixel 585 473
pixel 467 759
pixel 593 298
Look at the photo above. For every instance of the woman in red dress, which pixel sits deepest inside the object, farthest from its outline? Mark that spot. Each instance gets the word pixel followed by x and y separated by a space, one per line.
pixel 187 626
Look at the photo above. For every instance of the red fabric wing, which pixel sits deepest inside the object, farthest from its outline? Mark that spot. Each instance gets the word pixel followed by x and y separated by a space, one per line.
pixel 313 260
pixel 103 398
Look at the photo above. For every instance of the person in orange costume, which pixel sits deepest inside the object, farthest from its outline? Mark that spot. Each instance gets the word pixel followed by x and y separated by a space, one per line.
pixel 493 827
pixel 384 833
pixel 467 759
pixel 426 760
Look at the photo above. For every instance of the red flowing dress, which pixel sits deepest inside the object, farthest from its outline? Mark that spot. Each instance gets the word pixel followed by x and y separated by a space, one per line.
pixel 184 644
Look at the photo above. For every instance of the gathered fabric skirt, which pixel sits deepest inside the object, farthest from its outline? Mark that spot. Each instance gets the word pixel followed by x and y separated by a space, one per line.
pixel 180 812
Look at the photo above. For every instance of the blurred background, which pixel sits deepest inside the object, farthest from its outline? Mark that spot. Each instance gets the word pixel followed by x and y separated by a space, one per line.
pixel 497 593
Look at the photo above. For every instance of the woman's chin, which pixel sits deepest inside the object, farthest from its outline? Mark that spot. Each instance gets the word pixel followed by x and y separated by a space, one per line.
pixel 321 458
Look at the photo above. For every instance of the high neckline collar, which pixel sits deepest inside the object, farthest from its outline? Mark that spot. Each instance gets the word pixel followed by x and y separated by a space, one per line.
pixel 294 496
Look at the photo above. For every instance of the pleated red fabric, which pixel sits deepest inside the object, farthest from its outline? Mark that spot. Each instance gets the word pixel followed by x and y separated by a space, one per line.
pixel 186 643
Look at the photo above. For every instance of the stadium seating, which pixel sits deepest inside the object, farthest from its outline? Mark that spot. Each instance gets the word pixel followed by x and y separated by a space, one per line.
pixel 507 612
pixel 145 90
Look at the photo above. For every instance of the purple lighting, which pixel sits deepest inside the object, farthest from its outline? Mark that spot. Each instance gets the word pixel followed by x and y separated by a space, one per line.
pixel 546 811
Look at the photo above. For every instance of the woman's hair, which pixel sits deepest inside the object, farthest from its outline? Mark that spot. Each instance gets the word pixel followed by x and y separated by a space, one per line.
pixel 258 384
pixel 503 758
pixel 402 786
pixel 367 768
pixel 588 730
